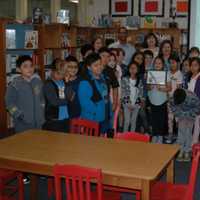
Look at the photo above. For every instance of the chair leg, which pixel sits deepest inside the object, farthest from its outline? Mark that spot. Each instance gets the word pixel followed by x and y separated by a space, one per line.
pixel 1 189
pixel 21 186
pixel 50 187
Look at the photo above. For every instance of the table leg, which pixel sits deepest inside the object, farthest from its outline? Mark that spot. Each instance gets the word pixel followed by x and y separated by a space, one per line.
pixel 170 172
pixel 33 187
pixel 145 190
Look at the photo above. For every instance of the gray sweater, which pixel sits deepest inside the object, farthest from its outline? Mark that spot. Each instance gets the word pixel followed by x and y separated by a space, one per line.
pixel 25 103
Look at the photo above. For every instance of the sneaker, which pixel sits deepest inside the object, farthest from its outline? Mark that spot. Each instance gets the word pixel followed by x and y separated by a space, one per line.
pixel 187 157
pixel 26 180
pixel 180 157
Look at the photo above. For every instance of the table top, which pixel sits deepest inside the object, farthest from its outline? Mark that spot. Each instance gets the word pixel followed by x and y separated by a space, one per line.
pixel 114 156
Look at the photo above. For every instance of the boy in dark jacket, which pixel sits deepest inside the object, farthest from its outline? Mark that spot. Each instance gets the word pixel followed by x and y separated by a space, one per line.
pixel 56 97
pixel 24 97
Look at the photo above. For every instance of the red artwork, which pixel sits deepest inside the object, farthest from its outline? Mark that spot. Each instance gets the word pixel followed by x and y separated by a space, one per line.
pixel 121 6
pixel 151 6
pixel 182 6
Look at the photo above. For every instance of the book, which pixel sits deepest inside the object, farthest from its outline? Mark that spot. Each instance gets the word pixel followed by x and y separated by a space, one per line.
pixel 10 38
pixel 132 22
pixel 31 40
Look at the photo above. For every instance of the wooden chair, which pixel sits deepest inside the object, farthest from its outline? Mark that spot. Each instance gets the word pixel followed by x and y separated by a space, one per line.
pixel 85 127
pixel 7 188
pixel 168 191
pixel 81 183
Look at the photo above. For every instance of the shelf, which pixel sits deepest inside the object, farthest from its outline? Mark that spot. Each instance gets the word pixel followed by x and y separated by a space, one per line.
pixel 21 49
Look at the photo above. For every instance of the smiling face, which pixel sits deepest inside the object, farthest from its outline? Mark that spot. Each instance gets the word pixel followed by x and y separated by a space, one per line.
pixel 105 58
pixel 122 35
pixel 98 44
pixel 96 68
pixel 158 64
pixel 139 59
pixel 72 69
pixel 133 70
pixel 166 49
pixel 27 69
pixel 195 68
pixel 186 66
pixel 174 65
pixel 151 42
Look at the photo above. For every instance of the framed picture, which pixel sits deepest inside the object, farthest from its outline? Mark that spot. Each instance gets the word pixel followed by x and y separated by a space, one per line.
pixel 156 77
pixel 179 8
pixel 121 8
pixel 151 8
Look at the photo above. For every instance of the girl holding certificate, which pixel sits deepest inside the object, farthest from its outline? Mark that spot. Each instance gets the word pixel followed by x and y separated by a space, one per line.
pixel 157 94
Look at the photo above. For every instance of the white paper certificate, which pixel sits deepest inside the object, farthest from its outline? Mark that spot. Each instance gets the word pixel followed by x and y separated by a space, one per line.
pixel 156 77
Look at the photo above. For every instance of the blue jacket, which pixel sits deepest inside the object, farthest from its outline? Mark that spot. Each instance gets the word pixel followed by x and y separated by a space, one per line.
pixel 90 109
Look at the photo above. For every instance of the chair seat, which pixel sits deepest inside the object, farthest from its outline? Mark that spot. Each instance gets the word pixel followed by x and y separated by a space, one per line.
pixel 107 195
pixel 167 191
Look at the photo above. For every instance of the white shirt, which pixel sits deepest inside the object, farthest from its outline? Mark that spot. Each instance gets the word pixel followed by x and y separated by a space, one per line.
pixel 192 83
pixel 134 91
pixel 176 79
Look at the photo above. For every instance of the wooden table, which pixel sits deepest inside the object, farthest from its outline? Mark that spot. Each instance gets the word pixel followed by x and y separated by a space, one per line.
pixel 124 163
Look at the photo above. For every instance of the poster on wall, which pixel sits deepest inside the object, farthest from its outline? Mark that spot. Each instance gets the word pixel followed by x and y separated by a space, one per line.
pixel 179 8
pixel 121 8
pixel 151 8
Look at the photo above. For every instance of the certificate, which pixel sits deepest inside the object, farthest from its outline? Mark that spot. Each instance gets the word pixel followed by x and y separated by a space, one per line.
pixel 156 77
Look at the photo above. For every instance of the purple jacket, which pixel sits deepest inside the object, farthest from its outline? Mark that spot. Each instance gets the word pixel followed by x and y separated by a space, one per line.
pixel 197 87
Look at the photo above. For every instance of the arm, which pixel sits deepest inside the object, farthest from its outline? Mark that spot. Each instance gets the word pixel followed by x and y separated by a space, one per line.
pixel 51 96
pixel 11 99
pixel 85 94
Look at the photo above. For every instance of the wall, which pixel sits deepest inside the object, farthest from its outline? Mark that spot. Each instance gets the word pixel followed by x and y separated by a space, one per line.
pixel 98 7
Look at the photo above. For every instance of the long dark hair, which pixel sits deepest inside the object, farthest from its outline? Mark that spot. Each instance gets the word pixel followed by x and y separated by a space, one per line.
pixel 145 45
pixel 141 66
pixel 162 45
pixel 137 74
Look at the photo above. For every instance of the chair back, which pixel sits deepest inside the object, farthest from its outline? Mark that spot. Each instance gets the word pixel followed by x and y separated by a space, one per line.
pixel 84 127
pixel 133 136
pixel 78 182
pixel 193 176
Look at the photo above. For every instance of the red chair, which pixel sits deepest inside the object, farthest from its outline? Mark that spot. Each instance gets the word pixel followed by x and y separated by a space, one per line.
pixel 7 188
pixel 135 137
pixel 168 191
pixel 79 126
pixel 78 183
pixel 85 127
pixel 195 149
pixel 132 136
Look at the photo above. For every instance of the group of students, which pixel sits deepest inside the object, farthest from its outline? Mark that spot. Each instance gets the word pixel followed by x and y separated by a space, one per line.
pixel 111 77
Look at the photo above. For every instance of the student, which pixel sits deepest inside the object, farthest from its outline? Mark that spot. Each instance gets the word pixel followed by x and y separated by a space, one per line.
pixel 158 103
pixel 131 91
pixel 185 68
pixel 148 59
pixel 194 86
pixel 185 106
pixel 151 43
pixel 93 94
pixel 72 80
pixel 97 44
pixel 56 96
pixel 166 49
pixel 194 52
pixel 110 76
pixel 176 79
pixel 120 61
pixel 24 97
pixel 85 51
